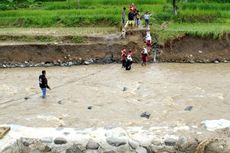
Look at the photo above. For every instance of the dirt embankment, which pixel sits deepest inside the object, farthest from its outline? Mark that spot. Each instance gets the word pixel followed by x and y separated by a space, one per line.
pixel 194 49
pixel 106 49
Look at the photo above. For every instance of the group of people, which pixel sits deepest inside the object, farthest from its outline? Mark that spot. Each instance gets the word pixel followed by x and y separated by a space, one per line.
pixel 126 58
pixel 134 17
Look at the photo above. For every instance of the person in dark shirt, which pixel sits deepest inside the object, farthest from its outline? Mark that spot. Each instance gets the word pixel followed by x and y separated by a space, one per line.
pixel 131 21
pixel 123 17
pixel 131 16
pixel 43 83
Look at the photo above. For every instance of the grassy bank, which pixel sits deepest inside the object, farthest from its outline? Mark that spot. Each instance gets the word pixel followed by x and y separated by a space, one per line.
pixel 203 30
pixel 77 34
pixel 54 34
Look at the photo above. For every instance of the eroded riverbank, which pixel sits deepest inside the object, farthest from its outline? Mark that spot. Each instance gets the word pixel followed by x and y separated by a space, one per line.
pixel 106 49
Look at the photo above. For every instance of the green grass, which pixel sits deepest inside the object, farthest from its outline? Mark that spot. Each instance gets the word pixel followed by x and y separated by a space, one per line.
pixel 203 18
pixel 120 2
pixel 108 13
pixel 204 30
pixel 205 6
pixel 71 35
pixel 58 31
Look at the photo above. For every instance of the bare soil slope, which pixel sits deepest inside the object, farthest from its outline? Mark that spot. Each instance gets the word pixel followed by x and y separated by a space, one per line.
pixel 106 49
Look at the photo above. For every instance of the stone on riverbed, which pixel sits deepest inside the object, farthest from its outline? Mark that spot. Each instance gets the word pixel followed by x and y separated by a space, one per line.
pixel 87 62
pixel 170 142
pixel 60 140
pixel 116 137
pixel 133 144
pixel 125 88
pixel 90 107
pixel 115 141
pixel 141 150
pixel 188 108
pixel 92 145
pixel 74 149
pixel 26 98
pixel 146 115
pixel 187 144
pixel 216 62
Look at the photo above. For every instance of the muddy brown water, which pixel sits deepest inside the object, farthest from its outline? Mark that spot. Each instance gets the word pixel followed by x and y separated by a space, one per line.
pixel 163 90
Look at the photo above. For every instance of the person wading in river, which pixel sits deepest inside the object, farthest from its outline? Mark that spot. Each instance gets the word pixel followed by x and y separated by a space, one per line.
pixel 123 57
pixel 129 60
pixel 43 83
pixel 144 55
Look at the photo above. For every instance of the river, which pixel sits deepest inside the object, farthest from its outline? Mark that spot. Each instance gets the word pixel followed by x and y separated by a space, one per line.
pixel 117 97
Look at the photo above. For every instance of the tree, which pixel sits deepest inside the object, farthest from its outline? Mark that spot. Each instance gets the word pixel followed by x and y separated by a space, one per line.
pixel 174 7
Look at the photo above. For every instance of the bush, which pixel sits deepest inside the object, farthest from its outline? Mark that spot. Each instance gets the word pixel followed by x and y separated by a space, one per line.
pixel 163 16
pixel 78 39
pixel 201 16
pixel 4 7
pixel 205 6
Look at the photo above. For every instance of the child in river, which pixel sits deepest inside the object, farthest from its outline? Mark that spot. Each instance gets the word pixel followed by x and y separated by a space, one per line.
pixel 123 57
pixel 144 55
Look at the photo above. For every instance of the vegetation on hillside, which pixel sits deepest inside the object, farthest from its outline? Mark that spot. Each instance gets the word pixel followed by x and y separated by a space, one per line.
pixel 194 17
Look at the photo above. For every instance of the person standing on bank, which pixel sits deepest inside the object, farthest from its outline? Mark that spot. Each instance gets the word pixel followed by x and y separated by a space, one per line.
pixel 43 83
pixel 147 18
pixel 123 17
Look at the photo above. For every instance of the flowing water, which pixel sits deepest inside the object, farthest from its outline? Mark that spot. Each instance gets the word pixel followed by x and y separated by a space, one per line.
pixel 117 97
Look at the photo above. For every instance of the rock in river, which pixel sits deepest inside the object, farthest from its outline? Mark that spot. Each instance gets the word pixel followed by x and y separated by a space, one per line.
pixel 60 140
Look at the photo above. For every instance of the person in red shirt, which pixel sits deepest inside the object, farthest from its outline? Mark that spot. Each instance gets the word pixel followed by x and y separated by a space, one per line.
pixel 123 57
pixel 132 8
pixel 144 55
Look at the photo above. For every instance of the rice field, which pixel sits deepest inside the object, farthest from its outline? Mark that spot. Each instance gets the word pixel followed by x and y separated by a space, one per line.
pixel 195 17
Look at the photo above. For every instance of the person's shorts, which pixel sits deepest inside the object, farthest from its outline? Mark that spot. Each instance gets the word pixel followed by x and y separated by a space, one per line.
pixel 144 57
pixel 131 23
pixel 148 43
pixel 147 21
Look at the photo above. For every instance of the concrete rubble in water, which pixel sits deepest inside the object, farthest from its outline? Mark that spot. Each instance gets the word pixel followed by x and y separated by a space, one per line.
pixel 130 139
